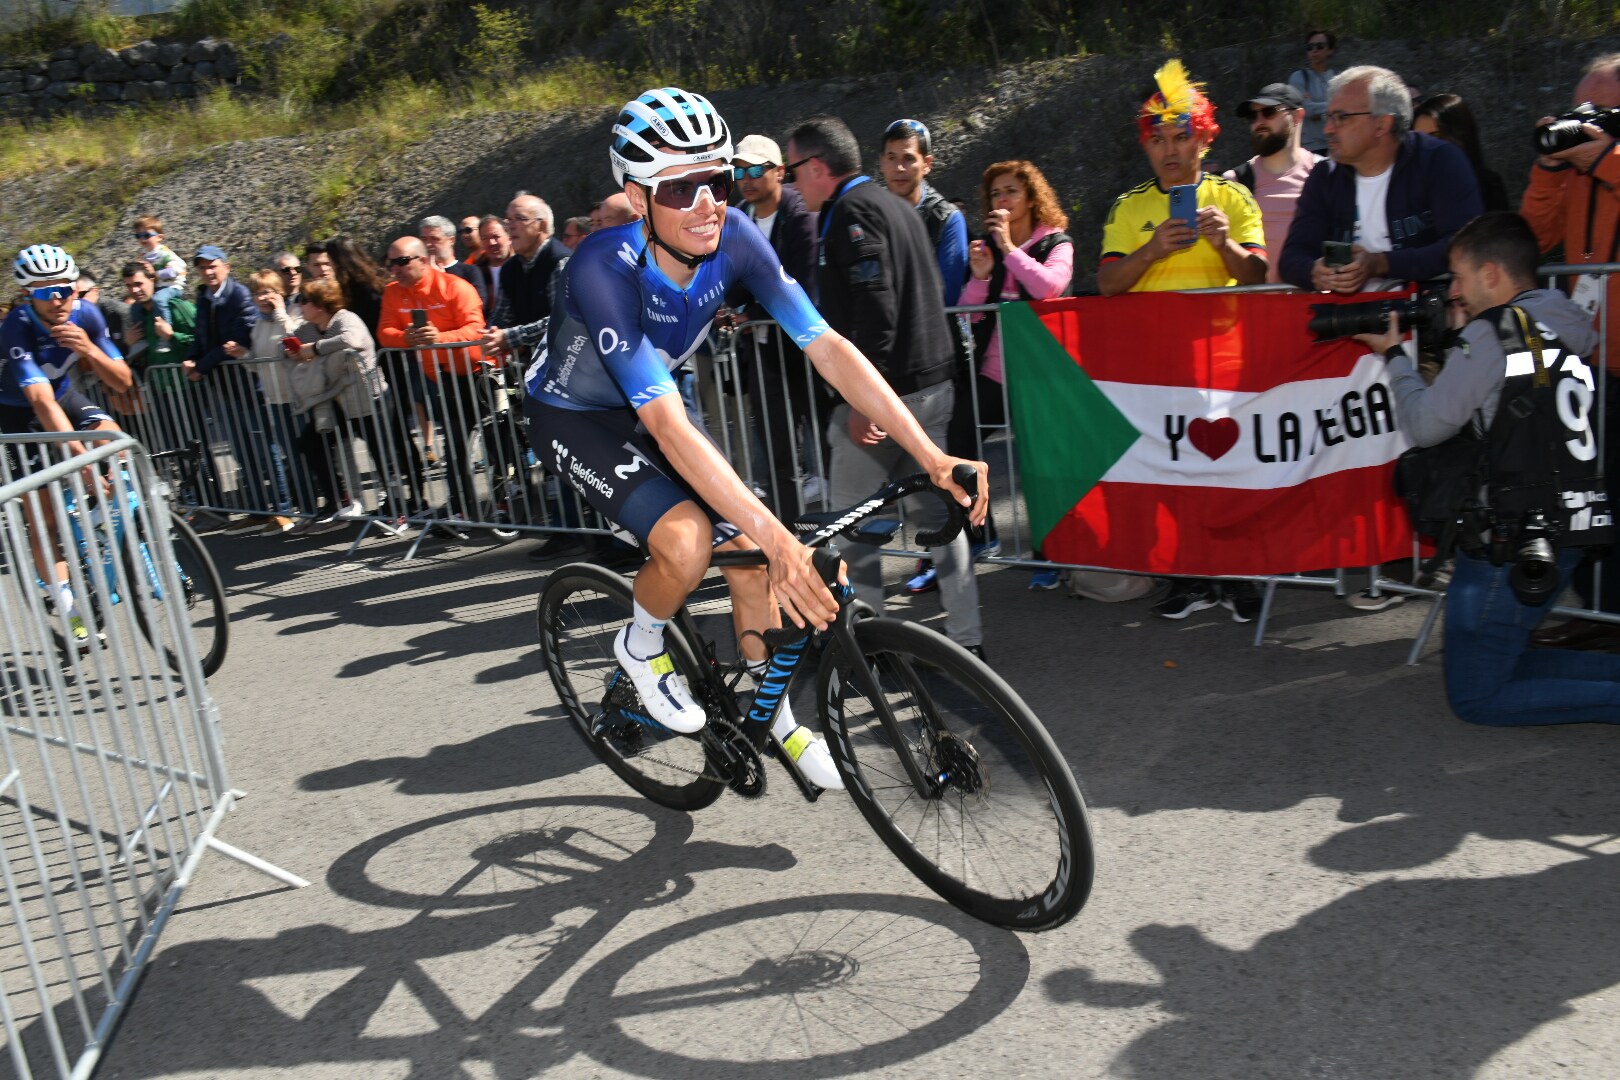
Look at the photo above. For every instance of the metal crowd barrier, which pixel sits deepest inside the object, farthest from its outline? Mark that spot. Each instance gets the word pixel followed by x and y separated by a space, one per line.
pixel 113 781
pixel 750 388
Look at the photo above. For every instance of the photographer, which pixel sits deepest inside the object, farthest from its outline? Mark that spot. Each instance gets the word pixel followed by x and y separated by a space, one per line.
pixel 1573 202
pixel 1514 376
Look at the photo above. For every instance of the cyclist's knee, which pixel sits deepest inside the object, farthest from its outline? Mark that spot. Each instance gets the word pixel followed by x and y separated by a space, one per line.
pixel 680 543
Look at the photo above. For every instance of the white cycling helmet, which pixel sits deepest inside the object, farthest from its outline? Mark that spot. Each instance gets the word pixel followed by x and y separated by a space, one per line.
pixel 43 262
pixel 663 128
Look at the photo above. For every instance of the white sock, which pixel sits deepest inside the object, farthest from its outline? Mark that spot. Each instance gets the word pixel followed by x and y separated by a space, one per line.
pixel 646 637
pixel 64 597
pixel 784 716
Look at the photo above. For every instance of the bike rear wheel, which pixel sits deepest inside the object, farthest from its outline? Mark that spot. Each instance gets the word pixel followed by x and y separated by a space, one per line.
pixel 582 608
pixel 199 605
pixel 996 823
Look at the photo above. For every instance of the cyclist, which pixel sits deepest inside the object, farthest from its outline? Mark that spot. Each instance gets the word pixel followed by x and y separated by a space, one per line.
pixel 40 341
pixel 603 410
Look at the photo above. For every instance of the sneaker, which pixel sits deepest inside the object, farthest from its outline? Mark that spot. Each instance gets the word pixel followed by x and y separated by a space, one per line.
pixel 978 650
pixel 926 581
pixel 242 526
pixel 1185 598
pixel 987 550
pixel 352 511
pixel 812 488
pixel 1366 601
pixel 1043 580
pixel 79 631
pixel 663 692
pixel 277 525
pixel 1242 599
pixel 809 751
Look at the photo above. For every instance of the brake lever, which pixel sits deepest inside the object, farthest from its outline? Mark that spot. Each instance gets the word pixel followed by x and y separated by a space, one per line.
pixel 966 477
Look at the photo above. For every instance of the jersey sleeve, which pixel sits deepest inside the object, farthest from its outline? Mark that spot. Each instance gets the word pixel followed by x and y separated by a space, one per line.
pixel 1244 223
pixel 762 272
pixel 19 367
pixel 1119 240
pixel 95 325
pixel 605 288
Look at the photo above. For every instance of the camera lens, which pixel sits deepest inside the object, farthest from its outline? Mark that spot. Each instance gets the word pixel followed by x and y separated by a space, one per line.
pixel 1560 135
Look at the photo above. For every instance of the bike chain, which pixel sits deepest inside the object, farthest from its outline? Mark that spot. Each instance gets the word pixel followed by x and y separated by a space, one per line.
pixel 719 737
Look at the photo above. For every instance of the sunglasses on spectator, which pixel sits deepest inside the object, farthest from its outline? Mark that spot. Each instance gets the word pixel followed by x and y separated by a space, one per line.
pixel 1317 46
pixel 146 235
pixel 404 260
pixel 53 292
pixel 289 269
pixel 683 190
pixel 787 177
pixel 909 129
pixel 750 172
pixel 465 229
pixel 1337 119
pixel 1265 112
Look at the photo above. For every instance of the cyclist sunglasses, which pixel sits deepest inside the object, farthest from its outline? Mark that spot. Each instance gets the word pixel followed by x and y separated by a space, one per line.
pixel 683 190
pixel 53 292
pixel 750 172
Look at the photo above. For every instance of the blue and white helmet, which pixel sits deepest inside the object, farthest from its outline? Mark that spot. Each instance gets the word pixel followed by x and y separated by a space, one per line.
pixel 663 128
pixel 43 262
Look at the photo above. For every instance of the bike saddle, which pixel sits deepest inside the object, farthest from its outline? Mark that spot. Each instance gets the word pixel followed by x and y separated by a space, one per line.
pixel 875 531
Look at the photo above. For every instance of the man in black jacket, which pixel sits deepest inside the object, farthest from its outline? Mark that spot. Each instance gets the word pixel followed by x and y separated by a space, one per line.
pixel 878 284
pixel 785 385
pixel 525 281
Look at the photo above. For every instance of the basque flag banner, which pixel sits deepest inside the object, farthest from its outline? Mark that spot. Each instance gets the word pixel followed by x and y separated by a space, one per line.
pixel 1201 434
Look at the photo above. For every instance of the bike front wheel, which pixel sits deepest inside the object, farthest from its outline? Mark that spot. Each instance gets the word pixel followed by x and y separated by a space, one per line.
pixel 582 609
pixel 957 776
pixel 198 605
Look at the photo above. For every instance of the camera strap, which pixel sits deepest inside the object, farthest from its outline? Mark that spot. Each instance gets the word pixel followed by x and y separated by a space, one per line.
pixel 1541 378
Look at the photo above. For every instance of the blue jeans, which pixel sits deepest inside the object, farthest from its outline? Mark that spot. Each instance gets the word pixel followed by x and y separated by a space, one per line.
pixel 1494 677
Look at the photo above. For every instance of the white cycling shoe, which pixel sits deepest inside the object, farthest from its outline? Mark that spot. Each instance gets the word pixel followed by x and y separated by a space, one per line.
pixel 663 691
pixel 810 752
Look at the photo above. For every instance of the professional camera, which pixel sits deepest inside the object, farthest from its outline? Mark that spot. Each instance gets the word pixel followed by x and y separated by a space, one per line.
pixel 1566 132
pixel 1425 313
pixel 1534 577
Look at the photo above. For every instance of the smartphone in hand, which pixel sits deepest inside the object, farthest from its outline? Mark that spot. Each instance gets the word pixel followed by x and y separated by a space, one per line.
pixel 291 344
pixel 1336 253
pixel 1184 204
pixel 418 317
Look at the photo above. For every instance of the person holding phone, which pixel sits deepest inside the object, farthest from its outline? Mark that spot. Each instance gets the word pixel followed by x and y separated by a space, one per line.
pixel 422 307
pixel 1224 243
pixel 1146 247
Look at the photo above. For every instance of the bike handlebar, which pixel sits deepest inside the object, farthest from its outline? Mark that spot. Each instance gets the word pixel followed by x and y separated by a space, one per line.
pixel 965 476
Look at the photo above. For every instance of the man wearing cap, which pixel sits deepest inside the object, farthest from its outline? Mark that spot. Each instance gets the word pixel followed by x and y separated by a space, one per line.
pixel 1277 172
pixel 774 364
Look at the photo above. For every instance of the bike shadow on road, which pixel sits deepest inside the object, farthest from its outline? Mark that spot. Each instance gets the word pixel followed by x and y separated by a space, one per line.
pixel 1404 978
pixel 501 905
pixel 516 755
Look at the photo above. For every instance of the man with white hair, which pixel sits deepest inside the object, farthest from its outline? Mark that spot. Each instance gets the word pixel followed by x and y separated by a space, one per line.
pixel 1397 197
pixel 525 290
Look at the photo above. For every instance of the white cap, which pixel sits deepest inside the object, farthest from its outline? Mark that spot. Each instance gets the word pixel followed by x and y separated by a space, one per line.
pixel 758 150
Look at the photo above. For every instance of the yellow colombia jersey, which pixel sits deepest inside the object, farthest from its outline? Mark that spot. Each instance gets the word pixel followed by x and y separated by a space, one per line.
pixel 1140 210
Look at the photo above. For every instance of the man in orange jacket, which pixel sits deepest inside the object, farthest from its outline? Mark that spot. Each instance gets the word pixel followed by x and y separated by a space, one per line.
pixel 1573 200
pixel 422 307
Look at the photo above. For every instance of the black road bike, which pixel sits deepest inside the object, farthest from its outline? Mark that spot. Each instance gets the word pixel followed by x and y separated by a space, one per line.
pixel 945 761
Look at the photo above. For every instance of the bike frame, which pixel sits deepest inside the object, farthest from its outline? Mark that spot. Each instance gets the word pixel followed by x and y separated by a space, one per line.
pixel 787 647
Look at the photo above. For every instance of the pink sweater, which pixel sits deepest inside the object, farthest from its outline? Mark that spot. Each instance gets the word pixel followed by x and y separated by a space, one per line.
pixel 1040 280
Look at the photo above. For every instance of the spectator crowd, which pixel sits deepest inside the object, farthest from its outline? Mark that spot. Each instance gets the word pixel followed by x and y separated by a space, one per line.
pixel 1354 184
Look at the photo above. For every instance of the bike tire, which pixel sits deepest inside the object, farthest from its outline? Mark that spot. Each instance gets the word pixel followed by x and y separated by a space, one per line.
pixel 581 609
pixel 202 598
pixel 1006 838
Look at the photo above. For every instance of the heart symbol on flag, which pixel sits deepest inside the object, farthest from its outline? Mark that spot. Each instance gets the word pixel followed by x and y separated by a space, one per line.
pixel 1213 437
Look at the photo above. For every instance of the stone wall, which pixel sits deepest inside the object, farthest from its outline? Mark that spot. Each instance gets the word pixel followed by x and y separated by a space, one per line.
pixel 90 78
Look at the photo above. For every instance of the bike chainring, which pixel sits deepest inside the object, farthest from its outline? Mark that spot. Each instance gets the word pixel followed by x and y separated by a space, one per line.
pixel 734 758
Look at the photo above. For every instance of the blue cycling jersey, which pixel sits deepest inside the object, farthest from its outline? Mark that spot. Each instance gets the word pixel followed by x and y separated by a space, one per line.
pixel 29 355
pixel 625 327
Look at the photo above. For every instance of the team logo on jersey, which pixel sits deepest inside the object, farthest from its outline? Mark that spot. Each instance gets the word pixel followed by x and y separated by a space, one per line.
pixel 658 301
pixel 1148 226
pixel 627 253
pixel 624 472
pixel 787 278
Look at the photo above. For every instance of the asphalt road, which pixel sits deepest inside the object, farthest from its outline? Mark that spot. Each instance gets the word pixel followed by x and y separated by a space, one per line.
pixel 1306 866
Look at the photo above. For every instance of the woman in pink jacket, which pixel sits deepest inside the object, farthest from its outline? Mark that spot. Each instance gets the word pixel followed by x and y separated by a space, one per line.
pixel 1025 255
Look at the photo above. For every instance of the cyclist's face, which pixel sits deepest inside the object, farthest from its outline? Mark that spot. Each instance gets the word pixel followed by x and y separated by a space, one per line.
pixel 53 312
pixel 695 231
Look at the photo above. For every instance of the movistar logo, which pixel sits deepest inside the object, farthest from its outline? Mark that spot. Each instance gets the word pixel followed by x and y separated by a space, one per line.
pixel 627 253
pixel 624 472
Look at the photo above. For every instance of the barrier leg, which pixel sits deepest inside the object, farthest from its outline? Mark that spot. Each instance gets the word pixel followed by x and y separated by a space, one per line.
pixel 1265 613
pixel 1428 627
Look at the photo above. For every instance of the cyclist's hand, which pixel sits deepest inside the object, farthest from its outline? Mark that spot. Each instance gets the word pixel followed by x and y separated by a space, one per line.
pixel 799 589
pixel 71 335
pixel 979 508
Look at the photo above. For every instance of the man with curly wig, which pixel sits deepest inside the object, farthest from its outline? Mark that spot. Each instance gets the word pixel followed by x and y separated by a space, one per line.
pixel 1146 250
